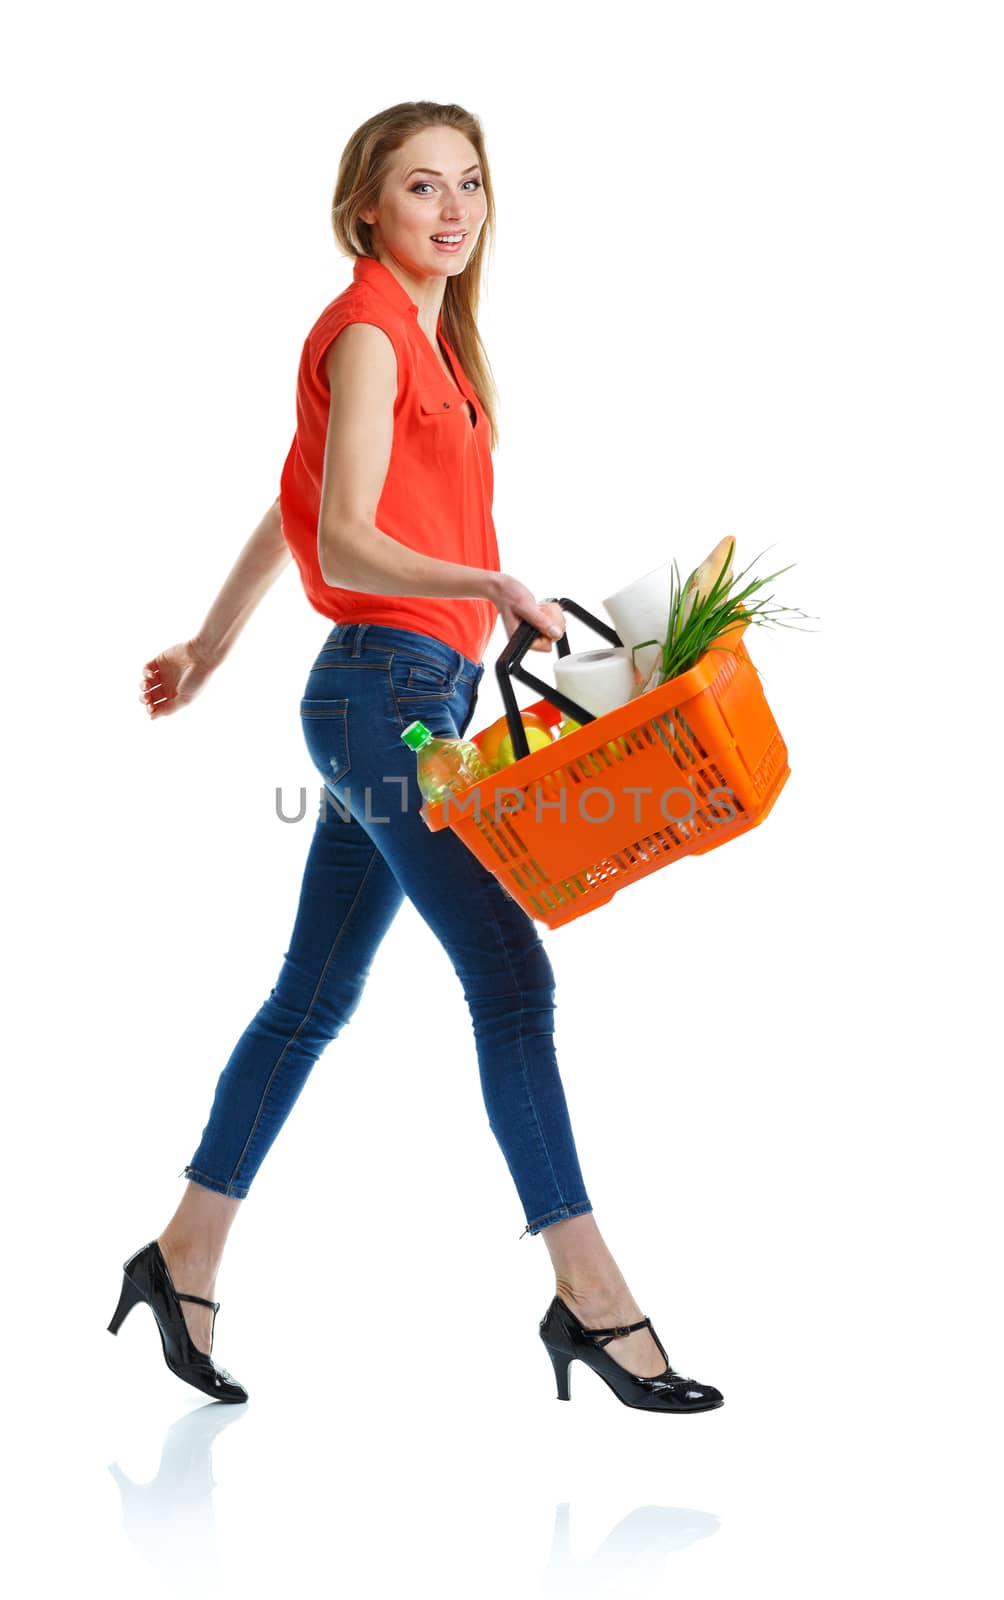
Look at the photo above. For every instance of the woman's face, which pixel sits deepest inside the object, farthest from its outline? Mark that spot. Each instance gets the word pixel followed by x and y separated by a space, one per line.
pixel 434 188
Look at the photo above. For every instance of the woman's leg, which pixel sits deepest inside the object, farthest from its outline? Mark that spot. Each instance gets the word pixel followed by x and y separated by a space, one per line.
pixel 493 944
pixel 192 1245
pixel 348 899
pixel 589 1280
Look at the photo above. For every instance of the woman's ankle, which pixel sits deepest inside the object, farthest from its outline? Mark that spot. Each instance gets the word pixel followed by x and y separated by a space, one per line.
pixel 596 1295
pixel 190 1255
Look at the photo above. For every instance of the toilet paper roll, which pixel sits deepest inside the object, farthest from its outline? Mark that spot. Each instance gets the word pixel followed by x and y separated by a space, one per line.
pixel 598 680
pixel 641 611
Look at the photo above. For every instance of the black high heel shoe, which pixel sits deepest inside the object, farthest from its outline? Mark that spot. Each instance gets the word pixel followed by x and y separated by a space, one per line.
pixel 567 1339
pixel 145 1277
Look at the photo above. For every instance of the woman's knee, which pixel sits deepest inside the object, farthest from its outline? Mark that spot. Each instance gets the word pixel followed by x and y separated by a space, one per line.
pixel 318 1022
pixel 513 969
pixel 534 965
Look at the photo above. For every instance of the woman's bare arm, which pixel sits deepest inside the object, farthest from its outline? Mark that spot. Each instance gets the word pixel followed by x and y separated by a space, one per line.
pixel 253 574
pixel 173 678
pixel 352 551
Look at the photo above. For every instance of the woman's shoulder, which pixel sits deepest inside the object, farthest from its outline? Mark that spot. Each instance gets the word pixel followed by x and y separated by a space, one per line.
pixel 358 302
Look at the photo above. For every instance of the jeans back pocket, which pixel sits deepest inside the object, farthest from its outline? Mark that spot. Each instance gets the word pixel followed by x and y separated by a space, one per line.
pixel 326 733
pixel 421 679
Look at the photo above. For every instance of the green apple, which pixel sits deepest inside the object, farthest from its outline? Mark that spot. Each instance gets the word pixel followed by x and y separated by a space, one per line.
pixel 536 738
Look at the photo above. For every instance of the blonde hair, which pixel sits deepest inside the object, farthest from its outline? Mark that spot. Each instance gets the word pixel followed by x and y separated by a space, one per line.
pixel 364 168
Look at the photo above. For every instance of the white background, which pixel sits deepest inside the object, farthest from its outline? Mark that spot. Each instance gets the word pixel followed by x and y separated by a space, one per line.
pixel 747 280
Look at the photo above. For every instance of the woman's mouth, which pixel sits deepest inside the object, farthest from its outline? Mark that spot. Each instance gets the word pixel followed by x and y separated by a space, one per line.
pixel 449 242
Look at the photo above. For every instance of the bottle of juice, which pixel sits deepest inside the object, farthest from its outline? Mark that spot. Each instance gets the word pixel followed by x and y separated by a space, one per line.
pixel 445 766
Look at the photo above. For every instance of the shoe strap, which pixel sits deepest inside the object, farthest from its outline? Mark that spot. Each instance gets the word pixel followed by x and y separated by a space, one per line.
pixel 615 1333
pixel 199 1300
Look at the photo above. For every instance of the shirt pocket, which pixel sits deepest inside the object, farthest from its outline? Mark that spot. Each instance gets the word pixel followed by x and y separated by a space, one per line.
pixel 442 400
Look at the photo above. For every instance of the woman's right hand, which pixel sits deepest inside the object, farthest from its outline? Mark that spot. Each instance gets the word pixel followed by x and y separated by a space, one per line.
pixel 173 679
pixel 516 604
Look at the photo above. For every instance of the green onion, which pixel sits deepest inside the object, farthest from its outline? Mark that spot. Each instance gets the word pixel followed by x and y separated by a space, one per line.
pixel 688 638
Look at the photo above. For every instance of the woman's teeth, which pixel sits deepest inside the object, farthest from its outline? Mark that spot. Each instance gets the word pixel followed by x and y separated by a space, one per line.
pixel 447 238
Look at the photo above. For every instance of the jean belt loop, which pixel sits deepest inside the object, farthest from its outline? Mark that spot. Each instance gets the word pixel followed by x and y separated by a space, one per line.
pixel 360 635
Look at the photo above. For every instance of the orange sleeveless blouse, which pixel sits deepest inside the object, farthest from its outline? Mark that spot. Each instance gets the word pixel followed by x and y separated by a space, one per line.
pixel 437 496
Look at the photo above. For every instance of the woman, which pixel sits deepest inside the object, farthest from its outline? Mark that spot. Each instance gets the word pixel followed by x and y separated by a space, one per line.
pixel 385 503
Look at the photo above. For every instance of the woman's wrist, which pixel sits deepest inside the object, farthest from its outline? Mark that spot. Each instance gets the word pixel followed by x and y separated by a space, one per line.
pixel 206 657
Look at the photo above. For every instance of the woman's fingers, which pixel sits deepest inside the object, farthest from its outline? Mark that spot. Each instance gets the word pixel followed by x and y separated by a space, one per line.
pixel 554 618
pixel 152 694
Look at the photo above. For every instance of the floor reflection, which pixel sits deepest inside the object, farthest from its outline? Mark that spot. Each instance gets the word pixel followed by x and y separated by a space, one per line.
pixel 636 1547
pixel 170 1520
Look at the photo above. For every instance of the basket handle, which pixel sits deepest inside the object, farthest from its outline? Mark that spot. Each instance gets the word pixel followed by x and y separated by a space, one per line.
pixel 508 667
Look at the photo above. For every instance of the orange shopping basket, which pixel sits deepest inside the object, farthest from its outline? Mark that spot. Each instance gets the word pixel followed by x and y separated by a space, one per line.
pixel 672 773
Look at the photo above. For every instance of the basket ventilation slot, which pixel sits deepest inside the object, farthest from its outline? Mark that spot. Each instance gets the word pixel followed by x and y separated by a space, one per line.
pixel 679 738
pixel 770 765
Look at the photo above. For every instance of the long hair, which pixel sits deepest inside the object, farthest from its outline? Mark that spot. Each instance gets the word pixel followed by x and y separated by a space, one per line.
pixel 362 172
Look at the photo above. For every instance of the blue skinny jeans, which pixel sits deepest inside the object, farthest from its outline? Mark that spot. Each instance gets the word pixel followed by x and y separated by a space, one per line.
pixel 369 849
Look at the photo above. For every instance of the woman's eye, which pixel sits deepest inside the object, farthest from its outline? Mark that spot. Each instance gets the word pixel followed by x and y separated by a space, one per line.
pixel 426 185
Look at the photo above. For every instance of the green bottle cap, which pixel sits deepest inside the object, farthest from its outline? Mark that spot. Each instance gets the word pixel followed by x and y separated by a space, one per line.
pixel 415 735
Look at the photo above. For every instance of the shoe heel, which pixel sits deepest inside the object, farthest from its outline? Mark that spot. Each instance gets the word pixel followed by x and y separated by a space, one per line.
pixel 127 1299
pixel 561 1360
